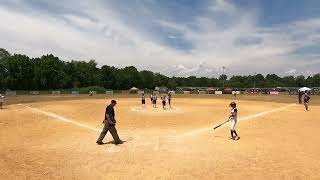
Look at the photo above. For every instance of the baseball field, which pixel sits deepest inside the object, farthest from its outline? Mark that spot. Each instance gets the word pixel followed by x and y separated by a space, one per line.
pixel 53 137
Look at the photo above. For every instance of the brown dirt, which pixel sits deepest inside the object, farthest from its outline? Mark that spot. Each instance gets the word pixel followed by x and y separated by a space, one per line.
pixel 171 144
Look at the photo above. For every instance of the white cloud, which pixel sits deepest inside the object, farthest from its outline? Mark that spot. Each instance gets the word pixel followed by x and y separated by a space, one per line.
pixel 172 37
pixel 291 72
pixel 223 6
pixel 199 70
pixel 93 30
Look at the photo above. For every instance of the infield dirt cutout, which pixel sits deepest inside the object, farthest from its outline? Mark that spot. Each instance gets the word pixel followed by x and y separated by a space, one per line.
pixel 56 140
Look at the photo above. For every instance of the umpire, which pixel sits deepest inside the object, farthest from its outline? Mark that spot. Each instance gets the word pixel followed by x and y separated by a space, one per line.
pixel 109 125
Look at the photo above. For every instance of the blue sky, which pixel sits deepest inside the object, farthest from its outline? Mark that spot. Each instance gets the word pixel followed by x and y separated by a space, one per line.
pixel 174 37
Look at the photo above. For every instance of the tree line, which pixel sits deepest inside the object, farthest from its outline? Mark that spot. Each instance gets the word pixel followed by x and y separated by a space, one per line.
pixel 48 72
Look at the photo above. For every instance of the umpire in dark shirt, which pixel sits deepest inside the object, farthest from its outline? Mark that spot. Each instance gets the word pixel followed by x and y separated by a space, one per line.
pixel 109 125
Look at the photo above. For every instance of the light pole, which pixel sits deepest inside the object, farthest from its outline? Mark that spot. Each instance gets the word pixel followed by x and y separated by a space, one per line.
pixel 223 79
pixel 254 80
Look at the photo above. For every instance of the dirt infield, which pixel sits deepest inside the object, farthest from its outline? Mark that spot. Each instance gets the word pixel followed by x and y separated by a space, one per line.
pixel 53 137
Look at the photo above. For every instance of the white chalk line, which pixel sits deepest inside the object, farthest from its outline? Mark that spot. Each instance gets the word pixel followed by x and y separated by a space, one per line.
pixel 240 119
pixel 157 143
pixel 56 116
pixel 111 149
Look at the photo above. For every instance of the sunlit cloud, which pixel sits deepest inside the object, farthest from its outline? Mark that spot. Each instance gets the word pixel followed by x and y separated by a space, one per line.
pixel 150 35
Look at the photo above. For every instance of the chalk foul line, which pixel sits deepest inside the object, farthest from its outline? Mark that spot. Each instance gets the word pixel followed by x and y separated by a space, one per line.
pixel 113 149
pixel 61 118
pixel 190 133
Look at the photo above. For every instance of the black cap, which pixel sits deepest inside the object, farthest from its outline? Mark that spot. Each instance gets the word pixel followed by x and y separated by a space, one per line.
pixel 114 101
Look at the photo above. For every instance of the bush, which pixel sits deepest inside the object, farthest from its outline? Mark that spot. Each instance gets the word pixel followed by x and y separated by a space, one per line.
pixel 84 90
pixel 98 89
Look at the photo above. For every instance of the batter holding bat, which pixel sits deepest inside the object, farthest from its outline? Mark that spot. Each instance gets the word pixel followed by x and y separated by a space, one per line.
pixel 233 121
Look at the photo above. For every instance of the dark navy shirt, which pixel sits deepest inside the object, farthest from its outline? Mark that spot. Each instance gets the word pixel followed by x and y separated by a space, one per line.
pixel 111 113
pixel 306 99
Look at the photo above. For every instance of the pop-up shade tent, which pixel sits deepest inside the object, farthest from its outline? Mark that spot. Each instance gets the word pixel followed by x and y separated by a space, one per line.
pixel 304 89
pixel 133 89
pixel 227 90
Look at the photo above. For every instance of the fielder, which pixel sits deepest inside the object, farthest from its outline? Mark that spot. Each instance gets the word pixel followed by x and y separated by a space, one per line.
pixel 1 101
pixel 306 100
pixel 143 100
pixel 109 125
pixel 163 102
pixel 154 100
pixel 234 94
pixel 233 121
pixel 169 99
pixel 300 93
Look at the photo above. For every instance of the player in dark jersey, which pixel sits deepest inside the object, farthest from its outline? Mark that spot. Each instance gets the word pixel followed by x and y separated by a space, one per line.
pixel 233 121
pixel 300 93
pixel 143 100
pixel 306 100
pixel 169 99
pixel 163 102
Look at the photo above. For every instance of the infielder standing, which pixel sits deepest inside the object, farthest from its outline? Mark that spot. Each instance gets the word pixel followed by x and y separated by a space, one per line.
pixel 306 100
pixel 233 121
pixel 143 100
pixel 109 125
pixel 163 102
pixel 1 101
pixel 169 99
pixel 154 100
pixel 300 93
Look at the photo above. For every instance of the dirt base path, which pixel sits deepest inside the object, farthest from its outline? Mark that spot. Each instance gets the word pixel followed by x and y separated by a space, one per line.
pixel 56 140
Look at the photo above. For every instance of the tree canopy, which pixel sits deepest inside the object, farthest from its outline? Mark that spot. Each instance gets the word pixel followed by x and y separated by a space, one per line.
pixel 19 72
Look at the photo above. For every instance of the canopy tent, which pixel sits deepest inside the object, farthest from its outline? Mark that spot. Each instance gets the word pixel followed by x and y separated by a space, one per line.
pixel 227 90
pixel 133 89
pixel 304 89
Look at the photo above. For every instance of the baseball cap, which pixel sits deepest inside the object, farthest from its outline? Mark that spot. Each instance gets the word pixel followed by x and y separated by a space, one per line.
pixel 114 101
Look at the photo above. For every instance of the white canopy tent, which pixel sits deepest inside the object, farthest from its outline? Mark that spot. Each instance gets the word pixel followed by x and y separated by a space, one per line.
pixel 304 89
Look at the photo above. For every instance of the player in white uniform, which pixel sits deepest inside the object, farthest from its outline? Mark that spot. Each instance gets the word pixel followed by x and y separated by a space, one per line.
pixel 233 121
pixel 1 101
pixel 154 100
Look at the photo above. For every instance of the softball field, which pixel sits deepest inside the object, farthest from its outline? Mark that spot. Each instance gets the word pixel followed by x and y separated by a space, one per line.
pixel 53 137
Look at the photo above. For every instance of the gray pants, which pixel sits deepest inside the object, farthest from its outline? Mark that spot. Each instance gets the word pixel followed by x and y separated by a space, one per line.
pixel 109 127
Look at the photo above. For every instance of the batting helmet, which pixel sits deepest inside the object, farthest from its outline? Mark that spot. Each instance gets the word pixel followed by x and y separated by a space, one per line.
pixel 233 104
